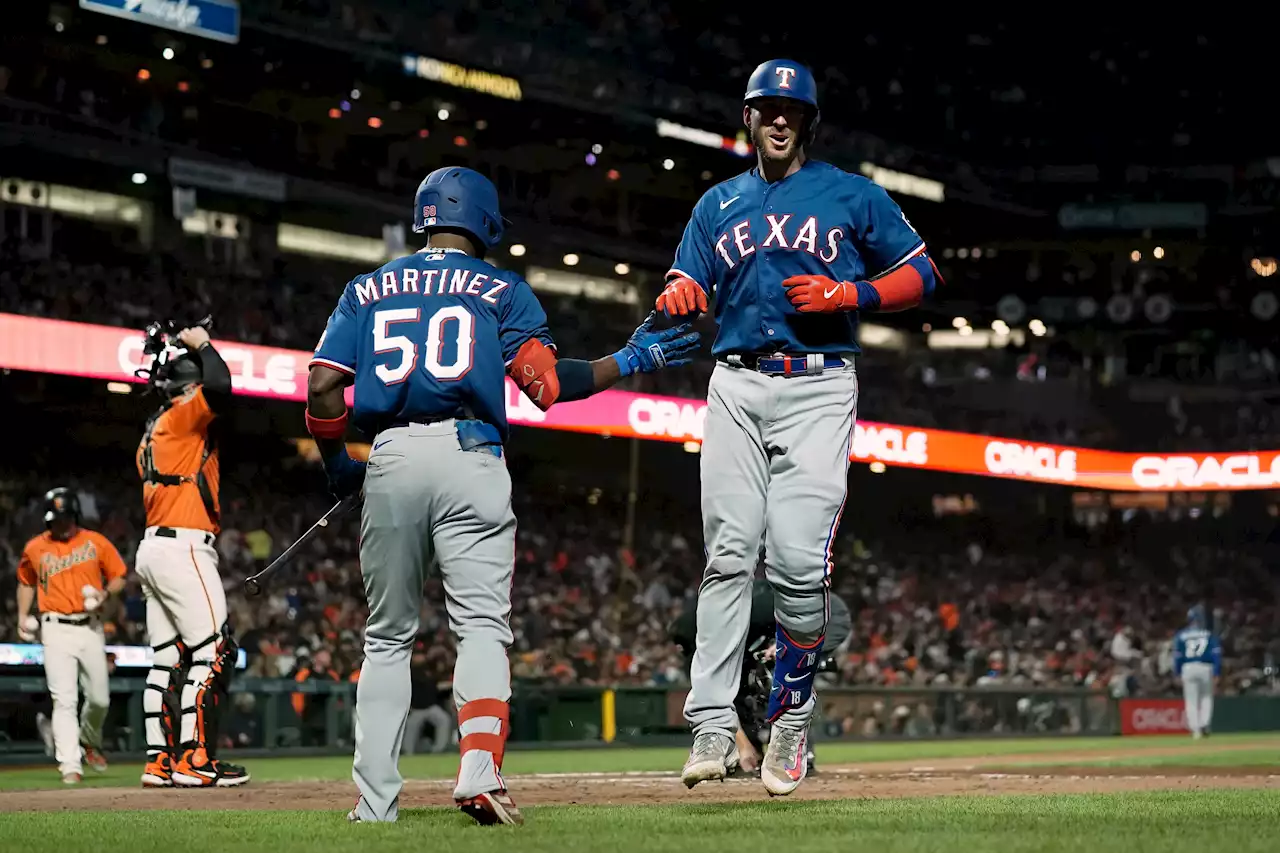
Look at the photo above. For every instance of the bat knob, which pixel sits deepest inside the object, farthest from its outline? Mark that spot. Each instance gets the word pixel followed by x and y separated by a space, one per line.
pixel 252 587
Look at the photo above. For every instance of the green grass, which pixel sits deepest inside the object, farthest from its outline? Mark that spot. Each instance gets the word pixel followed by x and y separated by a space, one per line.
pixel 1059 751
pixel 1239 821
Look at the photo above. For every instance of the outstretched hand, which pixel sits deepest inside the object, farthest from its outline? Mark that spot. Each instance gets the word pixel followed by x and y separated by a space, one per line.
pixel 649 350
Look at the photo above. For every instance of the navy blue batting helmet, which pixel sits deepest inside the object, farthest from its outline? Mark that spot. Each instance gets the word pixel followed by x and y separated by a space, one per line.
pixel 1196 616
pixel 783 78
pixel 460 199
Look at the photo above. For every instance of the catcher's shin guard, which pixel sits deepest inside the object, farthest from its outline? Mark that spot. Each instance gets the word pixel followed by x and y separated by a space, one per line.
pixel 208 679
pixel 160 701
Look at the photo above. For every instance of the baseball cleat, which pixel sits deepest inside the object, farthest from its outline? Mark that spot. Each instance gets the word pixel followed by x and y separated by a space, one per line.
pixel 72 778
pixel 785 761
pixel 95 759
pixel 353 816
pixel 492 808
pixel 712 757
pixel 197 770
pixel 158 773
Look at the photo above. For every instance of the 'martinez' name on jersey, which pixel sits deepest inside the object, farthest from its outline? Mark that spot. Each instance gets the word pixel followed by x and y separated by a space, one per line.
pixel 747 236
pixel 431 282
pixel 429 336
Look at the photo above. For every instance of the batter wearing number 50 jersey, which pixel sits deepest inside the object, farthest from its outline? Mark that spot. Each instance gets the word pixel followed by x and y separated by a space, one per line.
pixel 429 340
pixel 792 252
pixel 66 571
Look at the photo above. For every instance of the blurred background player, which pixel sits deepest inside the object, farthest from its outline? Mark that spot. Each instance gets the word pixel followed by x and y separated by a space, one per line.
pixel 68 572
pixel 178 565
pixel 1197 661
pixel 428 340
pixel 756 684
pixel 793 250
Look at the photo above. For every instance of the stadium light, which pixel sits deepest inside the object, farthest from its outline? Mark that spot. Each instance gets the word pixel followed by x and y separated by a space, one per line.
pixel 597 148
pixel 118 387
pixel 355 94
pixel 877 467
pixel 1158 252
pixel 1037 328
pixel 167 53
pixel 959 322
pixel 517 250
pixel 442 114
pixel 693 447
pixel 1000 327
pixel 571 260
pixel 621 268
pixel 139 178
pixel 1135 256
pixel 965 331
pixel 668 164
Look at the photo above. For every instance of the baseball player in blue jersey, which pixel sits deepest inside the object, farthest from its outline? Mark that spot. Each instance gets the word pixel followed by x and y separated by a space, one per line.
pixel 792 251
pixel 428 341
pixel 1197 661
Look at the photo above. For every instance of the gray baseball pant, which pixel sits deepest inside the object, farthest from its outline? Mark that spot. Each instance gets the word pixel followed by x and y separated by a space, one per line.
pixel 775 463
pixel 426 498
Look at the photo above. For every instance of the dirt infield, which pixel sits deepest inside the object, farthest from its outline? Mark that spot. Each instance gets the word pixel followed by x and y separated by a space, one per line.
pixel 664 788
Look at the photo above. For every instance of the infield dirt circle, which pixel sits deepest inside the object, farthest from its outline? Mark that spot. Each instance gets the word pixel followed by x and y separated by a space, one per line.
pixel 944 777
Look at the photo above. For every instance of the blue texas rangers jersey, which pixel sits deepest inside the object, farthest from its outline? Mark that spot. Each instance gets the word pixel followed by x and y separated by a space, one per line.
pixel 746 236
pixel 428 336
pixel 1196 645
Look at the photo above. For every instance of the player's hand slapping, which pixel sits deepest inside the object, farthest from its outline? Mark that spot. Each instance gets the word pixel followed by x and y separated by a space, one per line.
pixel 681 297
pixel 649 350
pixel 817 294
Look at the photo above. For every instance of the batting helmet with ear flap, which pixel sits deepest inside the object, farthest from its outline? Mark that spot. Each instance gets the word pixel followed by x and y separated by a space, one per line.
pixel 459 199
pixel 61 503
pixel 783 78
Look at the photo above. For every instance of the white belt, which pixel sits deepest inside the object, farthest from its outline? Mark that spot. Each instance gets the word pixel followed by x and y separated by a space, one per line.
pixel 184 533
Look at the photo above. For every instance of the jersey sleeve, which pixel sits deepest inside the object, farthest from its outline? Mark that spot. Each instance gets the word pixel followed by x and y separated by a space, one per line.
pixel 1215 653
pixel 520 319
pixel 27 568
pixel 337 345
pixel 109 559
pixel 1179 653
pixel 695 256
pixel 888 239
pixel 190 412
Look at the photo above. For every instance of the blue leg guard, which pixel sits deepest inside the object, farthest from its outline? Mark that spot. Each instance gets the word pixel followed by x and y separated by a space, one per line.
pixel 793 670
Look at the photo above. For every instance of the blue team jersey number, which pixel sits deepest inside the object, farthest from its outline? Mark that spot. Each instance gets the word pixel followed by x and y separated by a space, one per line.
pixel 452 325
pixel 1196 647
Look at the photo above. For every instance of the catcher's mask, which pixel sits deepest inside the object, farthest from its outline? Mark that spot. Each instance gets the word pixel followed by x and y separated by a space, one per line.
pixel 173 371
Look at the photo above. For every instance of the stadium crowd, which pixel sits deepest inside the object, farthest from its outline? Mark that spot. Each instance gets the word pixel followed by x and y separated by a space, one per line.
pixel 936 602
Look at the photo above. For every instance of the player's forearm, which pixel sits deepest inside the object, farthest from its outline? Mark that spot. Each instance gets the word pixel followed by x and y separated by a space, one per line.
pixel 580 379
pixel 26 598
pixel 215 376
pixel 115 587
pixel 903 288
pixel 327 410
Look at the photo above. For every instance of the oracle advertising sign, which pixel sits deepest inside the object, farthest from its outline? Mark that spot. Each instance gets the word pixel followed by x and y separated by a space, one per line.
pixel 112 353
pixel 1153 717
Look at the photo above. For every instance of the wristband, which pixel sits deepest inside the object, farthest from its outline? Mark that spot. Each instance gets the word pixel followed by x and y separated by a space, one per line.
pixel 334 428
pixel 623 357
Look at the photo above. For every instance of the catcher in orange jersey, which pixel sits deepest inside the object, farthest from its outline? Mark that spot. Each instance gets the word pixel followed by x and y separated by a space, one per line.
pixel 68 573
pixel 186 605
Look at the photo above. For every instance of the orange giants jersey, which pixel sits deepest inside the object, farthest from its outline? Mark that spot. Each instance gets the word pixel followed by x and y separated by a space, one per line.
pixel 60 570
pixel 178 463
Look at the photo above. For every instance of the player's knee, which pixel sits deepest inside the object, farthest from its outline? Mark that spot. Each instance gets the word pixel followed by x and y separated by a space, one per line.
pixel 801 612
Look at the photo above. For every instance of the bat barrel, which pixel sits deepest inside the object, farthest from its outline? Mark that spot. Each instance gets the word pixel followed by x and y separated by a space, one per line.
pixel 252 587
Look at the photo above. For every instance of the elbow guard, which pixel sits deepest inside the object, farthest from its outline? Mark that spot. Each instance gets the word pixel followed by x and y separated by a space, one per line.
pixel 534 372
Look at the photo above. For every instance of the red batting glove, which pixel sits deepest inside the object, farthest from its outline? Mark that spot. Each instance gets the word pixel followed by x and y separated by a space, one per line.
pixel 682 296
pixel 817 294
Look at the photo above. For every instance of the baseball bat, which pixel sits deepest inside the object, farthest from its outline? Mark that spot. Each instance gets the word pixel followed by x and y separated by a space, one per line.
pixel 253 585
